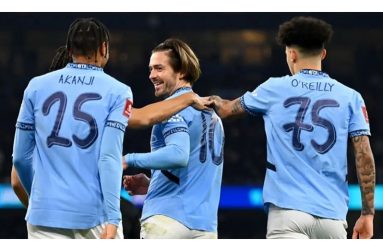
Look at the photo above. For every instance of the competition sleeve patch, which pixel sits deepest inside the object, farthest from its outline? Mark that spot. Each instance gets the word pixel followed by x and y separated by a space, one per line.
pixel 128 108
pixel 365 114
pixel 25 126
pixel 115 124
pixel 176 130
pixel 358 133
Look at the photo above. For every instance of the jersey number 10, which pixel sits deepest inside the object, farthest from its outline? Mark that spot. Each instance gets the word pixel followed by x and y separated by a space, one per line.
pixel 209 133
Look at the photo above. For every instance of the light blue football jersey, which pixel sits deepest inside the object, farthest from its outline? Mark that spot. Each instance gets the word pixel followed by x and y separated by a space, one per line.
pixel 190 192
pixel 308 119
pixel 78 115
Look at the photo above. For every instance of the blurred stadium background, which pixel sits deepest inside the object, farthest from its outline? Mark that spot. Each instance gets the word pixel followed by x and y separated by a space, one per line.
pixel 237 52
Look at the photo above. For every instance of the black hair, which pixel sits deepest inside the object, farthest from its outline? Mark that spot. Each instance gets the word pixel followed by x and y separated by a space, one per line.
pixel 85 36
pixel 182 58
pixel 61 59
pixel 308 33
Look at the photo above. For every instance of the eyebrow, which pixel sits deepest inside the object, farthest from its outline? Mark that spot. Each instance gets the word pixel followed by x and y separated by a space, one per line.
pixel 156 66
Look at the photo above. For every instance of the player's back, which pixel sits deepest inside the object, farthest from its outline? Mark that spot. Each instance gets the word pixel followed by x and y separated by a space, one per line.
pixel 308 117
pixel 192 197
pixel 70 109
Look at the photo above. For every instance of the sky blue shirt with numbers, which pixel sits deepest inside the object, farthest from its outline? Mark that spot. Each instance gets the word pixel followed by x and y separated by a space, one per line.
pixel 70 131
pixel 186 162
pixel 308 119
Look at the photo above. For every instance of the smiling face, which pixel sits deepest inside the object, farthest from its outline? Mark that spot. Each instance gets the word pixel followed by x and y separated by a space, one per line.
pixel 162 75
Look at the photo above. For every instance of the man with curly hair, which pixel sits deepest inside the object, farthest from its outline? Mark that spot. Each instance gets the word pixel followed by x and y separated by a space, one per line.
pixel 308 119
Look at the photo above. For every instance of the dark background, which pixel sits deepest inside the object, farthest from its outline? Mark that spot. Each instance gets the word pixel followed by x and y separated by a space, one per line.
pixel 237 52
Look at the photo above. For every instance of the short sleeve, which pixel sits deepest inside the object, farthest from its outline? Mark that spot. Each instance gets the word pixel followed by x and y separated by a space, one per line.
pixel 257 101
pixel 175 124
pixel 26 118
pixel 121 111
pixel 359 123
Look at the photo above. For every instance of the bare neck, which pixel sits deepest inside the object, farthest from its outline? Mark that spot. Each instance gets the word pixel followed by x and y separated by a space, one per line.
pixel 309 63
pixel 96 61
pixel 181 84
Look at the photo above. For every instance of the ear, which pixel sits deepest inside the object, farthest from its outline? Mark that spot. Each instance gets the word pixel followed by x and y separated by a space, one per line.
pixel 181 76
pixel 324 53
pixel 293 55
pixel 104 49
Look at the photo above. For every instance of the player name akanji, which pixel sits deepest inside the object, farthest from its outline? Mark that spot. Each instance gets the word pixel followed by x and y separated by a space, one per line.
pixel 313 86
pixel 76 80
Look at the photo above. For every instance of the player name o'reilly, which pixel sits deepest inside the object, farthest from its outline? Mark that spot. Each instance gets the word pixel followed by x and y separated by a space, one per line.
pixel 76 80
pixel 313 86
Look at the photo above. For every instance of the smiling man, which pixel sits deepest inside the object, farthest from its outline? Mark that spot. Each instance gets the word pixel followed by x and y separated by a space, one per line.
pixel 186 158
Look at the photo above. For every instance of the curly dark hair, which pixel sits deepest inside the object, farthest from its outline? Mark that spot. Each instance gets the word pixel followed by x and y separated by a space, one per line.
pixel 308 33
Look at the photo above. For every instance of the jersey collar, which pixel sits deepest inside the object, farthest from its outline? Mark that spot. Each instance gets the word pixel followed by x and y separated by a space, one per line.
pixel 314 72
pixel 181 90
pixel 84 67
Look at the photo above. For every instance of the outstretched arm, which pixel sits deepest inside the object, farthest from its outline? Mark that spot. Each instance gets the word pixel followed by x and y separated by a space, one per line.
pixel 160 111
pixel 18 188
pixel 227 108
pixel 175 153
pixel 365 169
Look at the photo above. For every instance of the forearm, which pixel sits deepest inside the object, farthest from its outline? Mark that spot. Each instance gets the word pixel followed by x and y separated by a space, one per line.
pixel 227 108
pixel 110 171
pixel 22 157
pixel 169 157
pixel 110 179
pixel 159 111
pixel 365 168
pixel 18 188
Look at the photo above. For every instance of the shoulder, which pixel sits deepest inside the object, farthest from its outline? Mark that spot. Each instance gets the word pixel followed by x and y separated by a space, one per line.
pixel 43 77
pixel 273 82
pixel 183 117
pixel 280 81
pixel 40 81
pixel 346 90
pixel 118 87
pixel 271 85
pixel 116 83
